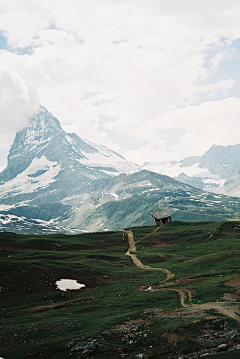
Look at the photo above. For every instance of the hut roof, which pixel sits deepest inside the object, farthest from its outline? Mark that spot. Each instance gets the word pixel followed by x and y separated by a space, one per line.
pixel 163 213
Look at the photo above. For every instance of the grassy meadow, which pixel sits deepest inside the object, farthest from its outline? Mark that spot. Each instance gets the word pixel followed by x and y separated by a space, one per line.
pixel 113 316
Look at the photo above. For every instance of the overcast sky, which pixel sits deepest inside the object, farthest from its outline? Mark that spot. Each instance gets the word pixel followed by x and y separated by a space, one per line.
pixel 152 80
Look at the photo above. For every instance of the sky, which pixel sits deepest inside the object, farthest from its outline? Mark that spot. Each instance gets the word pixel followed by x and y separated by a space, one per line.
pixel 153 80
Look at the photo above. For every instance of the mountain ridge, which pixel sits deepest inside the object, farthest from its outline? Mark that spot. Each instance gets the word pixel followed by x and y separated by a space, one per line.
pixel 71 183
pixel 208 172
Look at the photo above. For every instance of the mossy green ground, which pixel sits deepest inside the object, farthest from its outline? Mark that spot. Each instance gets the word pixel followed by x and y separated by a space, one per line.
pixel 38 320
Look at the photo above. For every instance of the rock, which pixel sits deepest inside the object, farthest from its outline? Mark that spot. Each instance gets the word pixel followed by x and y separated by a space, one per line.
pixel 222 347
pixel 86 347
pixel 234 337
pixel 148 289
pixel 141 356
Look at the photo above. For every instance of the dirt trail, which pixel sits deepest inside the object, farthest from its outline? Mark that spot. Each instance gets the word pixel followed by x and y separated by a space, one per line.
pixel 45 307
pixel 136 260
pixel 155 230
pixel 220 307
pixel 50 306
pixel 183 293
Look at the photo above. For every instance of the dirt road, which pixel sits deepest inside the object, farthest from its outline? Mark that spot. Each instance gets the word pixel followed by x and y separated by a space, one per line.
pixel 183 293
pixel 136 260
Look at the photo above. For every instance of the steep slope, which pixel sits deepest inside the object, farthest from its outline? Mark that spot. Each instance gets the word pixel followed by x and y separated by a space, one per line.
pixel 46 138
pixel 208 172
pixel 222 161
pixel 21 224
pixel 45 164
pixel 231 187
pixel 127 200
pixel 58 180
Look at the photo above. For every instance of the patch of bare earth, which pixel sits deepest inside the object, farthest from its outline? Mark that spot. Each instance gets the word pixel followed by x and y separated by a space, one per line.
pixel 237 228
pixel 161 244
pixel 157 313
pixel 172 340
pixel 232 297
pixel 129 327
pixel 204 336
pixel 235 283
pixel 162 285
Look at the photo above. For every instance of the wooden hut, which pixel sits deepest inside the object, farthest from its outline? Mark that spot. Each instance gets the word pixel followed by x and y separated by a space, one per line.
pixel 161 216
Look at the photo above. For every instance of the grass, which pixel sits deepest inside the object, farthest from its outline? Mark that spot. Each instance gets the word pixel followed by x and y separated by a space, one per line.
pixel 205 254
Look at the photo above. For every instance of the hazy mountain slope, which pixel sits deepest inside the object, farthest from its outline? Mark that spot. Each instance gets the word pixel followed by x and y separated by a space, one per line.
pixel 45 138
pixel 128 200
pixel 208 172
pixel 47 181
pixel 21 224
pixel 231 187
pixel 46 161
pixel 222 161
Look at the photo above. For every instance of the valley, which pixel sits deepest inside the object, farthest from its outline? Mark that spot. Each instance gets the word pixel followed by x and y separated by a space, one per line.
pixel 178 303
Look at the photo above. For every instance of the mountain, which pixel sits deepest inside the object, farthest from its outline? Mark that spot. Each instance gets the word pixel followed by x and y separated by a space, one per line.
pixel 56 181
pixel 46 164
pixel 45 139
pixel 128 200
pixel 231 187
pixel 21 224
pixel 208 172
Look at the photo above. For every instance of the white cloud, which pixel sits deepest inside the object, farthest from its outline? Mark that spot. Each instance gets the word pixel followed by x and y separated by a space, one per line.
pixel 213 122
pixel 17 102
pixel 133 67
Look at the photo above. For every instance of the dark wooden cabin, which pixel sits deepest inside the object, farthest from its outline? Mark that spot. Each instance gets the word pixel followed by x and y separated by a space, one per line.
pixel 161 216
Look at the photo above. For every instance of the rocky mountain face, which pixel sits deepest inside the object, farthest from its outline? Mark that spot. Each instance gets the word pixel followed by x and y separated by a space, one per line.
pixel 45 164
pixel 127 201
pixel 208 172
pixel 67 152
pixel 232 186
pixel 57 181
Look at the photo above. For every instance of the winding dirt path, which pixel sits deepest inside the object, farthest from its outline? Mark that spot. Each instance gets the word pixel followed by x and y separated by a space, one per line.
pixel 136 260
pixel 183 293
pixel 221 307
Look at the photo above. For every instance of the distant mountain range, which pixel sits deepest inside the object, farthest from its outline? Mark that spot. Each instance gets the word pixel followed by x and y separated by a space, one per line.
pixel 59 182
pixel 216 171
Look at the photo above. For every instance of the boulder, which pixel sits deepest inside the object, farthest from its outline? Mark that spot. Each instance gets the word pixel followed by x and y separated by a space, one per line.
pixel 222 347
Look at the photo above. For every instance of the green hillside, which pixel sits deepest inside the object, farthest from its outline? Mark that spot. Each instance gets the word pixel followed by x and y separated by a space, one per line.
pixel 124 310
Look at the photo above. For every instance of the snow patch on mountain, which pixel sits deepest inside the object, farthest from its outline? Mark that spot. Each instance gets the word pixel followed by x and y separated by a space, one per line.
pixel 107 160
pixel 217 170
pixel 174 169
pixel 114 195
pixel 231 187
pixel 187 173
pixel 38 175
pixel 5 207
pixel 21 224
